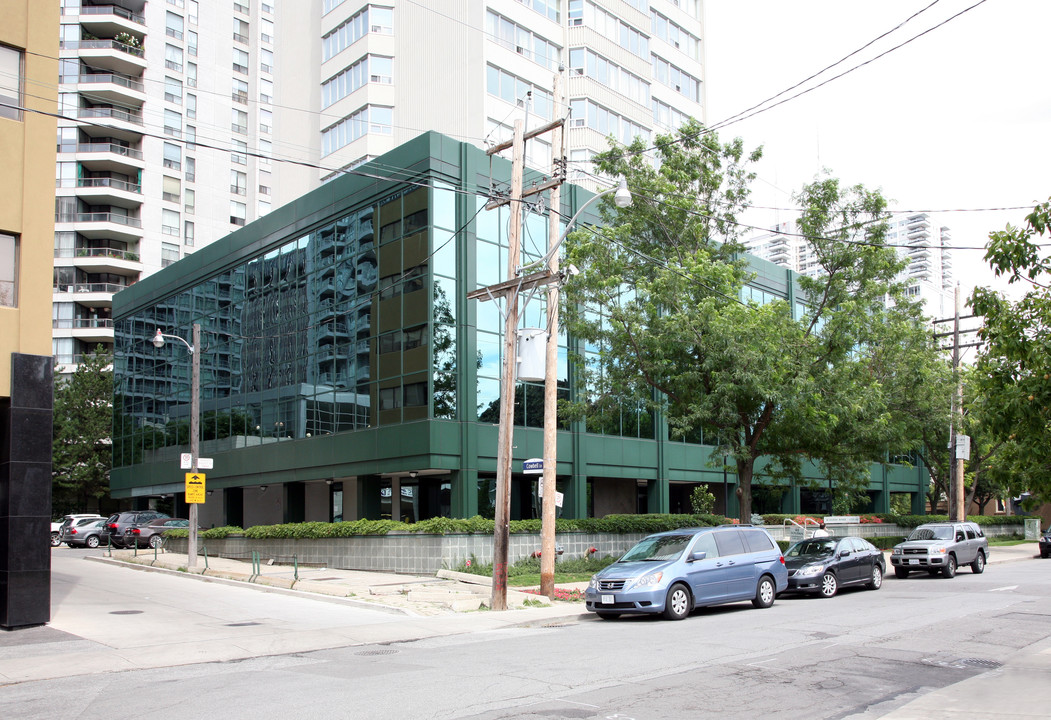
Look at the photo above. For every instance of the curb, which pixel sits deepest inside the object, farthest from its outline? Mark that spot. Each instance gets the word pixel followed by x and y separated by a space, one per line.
pixel 262 584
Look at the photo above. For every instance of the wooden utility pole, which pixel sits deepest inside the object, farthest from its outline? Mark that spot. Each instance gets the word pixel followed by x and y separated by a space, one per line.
pixel 958 511
pixel 501 530
pixel 547 514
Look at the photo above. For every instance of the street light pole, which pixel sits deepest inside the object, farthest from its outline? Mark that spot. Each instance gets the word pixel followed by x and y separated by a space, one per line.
pixel 195 412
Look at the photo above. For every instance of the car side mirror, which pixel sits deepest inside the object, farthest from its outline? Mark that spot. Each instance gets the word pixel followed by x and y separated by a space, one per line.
pixel 698 555
pixel 845 553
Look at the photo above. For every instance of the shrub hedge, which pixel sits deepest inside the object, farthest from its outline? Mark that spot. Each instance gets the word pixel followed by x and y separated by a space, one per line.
pixel 478 525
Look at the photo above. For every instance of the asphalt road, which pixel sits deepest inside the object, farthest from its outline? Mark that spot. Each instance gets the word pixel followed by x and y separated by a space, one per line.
pixel 859 655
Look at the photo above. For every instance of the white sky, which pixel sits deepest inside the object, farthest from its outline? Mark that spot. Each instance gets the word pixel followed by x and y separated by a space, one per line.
pixel 958 118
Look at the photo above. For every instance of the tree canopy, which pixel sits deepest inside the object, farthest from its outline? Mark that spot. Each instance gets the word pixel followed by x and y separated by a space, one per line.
pixel 1013 371
pixel 661 307
pixel 81 456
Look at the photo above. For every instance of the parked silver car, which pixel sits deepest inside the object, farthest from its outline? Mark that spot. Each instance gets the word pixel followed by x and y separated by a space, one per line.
pixel 86 532
pixel 941 548
pixel 57 527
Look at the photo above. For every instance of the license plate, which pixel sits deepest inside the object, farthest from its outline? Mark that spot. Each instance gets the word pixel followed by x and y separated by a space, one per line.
pixel 607 600
pixel 914 562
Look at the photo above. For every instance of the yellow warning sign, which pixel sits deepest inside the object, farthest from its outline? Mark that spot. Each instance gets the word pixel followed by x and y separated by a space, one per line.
pixel 195 487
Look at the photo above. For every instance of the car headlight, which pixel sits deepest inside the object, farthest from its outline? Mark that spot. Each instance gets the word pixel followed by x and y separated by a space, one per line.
pixel 647 580
pixel 896 551
pixel 593 583
pixel 937 551
pixel 811 570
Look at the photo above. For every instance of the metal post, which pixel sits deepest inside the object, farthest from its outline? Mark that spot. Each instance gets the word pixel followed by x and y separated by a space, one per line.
pixel 195 412
pixel 501 526
pixel 547 513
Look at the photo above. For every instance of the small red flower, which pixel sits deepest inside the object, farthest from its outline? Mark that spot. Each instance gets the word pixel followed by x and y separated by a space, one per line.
pixel 592 550
pixel 467 563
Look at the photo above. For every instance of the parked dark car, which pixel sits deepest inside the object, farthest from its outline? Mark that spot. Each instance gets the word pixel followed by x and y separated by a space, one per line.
pixel 673 572
pixel 151 534
pixel 825 564
pixel 1045 543
pixel 118 523
pixel 86 532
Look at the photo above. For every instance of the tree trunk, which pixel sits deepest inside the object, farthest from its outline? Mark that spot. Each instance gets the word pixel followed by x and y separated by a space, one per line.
pixel 745 468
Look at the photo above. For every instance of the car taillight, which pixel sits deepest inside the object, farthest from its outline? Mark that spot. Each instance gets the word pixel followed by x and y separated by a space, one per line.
pixel 72 531
pixel 782 559
pixel 112 526
pixel 135 531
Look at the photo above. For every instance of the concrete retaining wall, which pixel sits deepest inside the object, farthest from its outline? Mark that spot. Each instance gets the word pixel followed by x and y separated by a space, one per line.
pixel 426 554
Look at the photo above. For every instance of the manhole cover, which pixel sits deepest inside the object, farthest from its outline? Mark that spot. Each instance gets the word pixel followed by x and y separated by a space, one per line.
pixel 126 612
pixel 379 651
pixel 243 624
pixel 980 662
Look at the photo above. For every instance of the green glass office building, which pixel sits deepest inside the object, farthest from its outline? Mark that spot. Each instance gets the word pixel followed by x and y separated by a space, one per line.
pixel 345 374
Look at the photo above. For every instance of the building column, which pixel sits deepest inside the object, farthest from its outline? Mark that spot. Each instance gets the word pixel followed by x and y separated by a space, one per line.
pixel 26 421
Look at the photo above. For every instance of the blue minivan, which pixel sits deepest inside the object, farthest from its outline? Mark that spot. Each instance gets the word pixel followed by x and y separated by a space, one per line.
pixel 676 571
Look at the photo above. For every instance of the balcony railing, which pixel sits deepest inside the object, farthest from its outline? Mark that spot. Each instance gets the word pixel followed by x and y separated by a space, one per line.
pixel 101 182
pixel 98 217
pixel 97 252
pixel 109 112
pixel 81 323
pixel 102 45
pixel 112 10
pixel 90 288
pixel 110 148
pixel 114 78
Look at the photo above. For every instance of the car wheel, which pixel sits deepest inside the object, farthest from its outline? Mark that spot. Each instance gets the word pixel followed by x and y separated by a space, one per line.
pixel 901 573
pixel 55 541
pixel 608 615
pixel 950 567
pixel 764 593
pixel 677 604
pixel 876 581
pixel 978 566
pixel 92 541
pixel 829 585
pixel 1045 553
pixel 156 541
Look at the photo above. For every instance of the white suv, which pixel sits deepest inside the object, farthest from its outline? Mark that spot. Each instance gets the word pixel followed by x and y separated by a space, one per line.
pixel 941 548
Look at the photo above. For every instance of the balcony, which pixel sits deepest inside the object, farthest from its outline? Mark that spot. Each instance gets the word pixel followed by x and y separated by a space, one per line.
pixel 100 260
pixel 122 123
pixel 109 55
pixel 108 20
pixel 93 294
pixel 106 191
pixel 93 330
pixel 108 157
pixel 102 225
pixel 110 88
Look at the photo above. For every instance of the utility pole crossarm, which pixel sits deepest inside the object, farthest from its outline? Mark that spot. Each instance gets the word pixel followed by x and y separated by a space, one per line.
pixel 535 190
pixel 507 287
pixel 508 144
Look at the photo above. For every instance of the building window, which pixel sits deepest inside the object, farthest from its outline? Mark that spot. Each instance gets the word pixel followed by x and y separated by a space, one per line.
pixel 266 120
pixel 266 30
pixel 678 80
pixel 671 33
pixel 240 61
pixel 613 76
pixel 502 84
pixel 173 58
pixel 265 179
pixel 371 68
pixel 173 25
pixel 172 123
pixel 191 75
pixel 173 90
pixel 239 156
pixel 171 189
pixel 172 156
pixel 240 92
pixel 8 270
pixel 263 208
pixel 187 235
pixel 240 31
pixel 191 169
pixel 239 123
pixel 170 225
pixel 266 151
pixel 189 201
pixel 193 11
pixel 379 20
pixel 237 213
pixel 266 60
pixel 370 119
pixel 266 91
pixel 238 182
pixel 585 113
pixel 191 43
pixel 547 8
pixel 169 253
pixel 191 106
pixel 521 40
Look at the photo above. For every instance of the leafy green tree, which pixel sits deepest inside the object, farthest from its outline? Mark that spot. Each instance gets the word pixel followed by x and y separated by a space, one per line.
pixel 1013 371
pixel 702 501
pixel 660 298
pixel 81 457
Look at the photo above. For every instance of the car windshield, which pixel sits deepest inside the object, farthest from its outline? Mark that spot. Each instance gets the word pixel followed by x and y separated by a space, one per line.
pixel 812 548
pixel 931 533
pixel 657 548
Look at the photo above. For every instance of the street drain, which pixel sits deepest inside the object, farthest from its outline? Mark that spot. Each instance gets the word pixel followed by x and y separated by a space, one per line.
pixel 980 662
pixel 379 651
pixel 241 624
pixel 126 612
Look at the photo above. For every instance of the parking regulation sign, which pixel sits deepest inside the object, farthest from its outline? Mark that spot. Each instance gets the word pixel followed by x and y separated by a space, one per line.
pixel 195 488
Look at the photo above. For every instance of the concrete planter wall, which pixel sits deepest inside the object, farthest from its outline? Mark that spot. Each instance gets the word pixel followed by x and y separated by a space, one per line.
pixel 425 554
